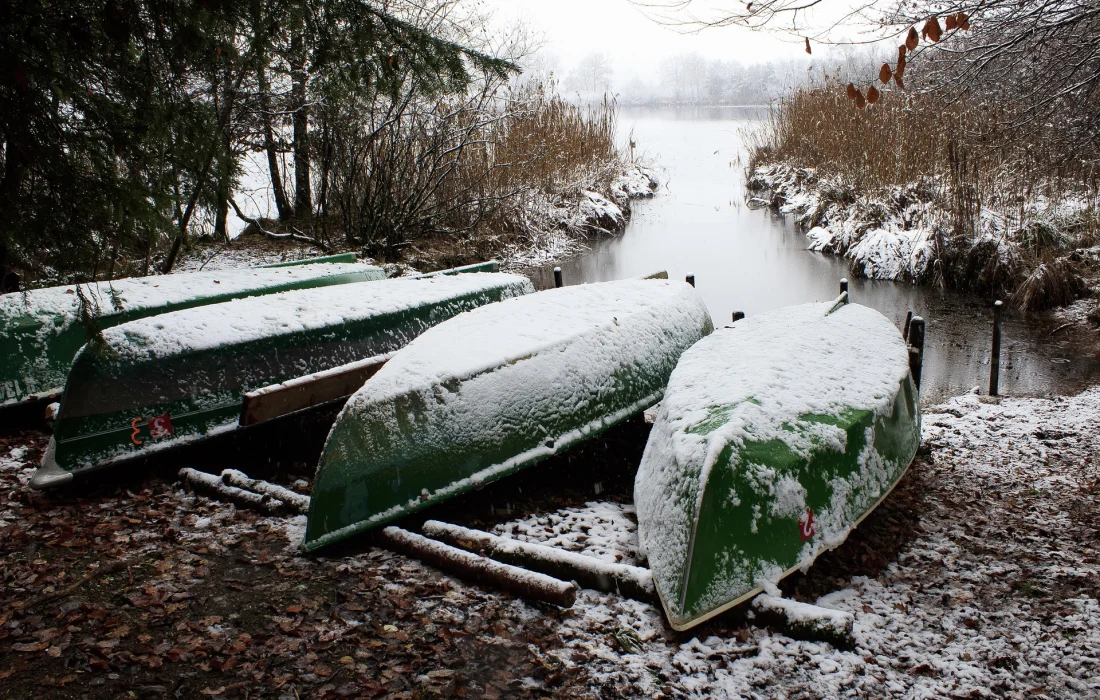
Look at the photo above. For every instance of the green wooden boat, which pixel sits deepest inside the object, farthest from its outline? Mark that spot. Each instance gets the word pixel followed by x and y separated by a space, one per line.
pixel 336 258
pixel 174 378
pixel 41 330
pixel 776 437
pixel 496 390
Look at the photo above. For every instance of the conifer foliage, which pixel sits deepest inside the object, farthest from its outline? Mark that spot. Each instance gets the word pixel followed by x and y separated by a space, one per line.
pixel 121 119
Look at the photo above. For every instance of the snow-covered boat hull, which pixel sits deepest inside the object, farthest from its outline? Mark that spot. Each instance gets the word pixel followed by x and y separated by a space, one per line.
pixel 496 390
pixel 776 437
pixel 164 381
pixel 41 330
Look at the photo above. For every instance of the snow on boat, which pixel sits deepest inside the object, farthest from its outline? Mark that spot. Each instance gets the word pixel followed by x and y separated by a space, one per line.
pixel 41 330
pixel 173 378
pixel 776 437
pixel 495 390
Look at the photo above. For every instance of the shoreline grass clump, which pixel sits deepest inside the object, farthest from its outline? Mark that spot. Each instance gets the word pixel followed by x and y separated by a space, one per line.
pixel 926 188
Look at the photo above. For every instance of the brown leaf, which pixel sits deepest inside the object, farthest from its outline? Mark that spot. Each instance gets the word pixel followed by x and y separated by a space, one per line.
pixel 963 21
pixel 901 52
pixel 39 646
pixel 884 73
pixel 851 91
pixel 808 45
pixel 900 70
pixel 932 28
pixel 911 39
pixel 949 23
pixel 860 102
pixel 872 95
pixel 897 79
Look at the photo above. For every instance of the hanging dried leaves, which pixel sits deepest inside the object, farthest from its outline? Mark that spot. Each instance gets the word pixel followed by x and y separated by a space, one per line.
pixel 962 21
pixel 911 39
pixel 932 29
pixel 872 95
pixel 949 23
pixel 852 91
pixel 901 52
pixel 884 73
pixel 860 102
pixel 897 80
pixel 808 45
pixel 900 70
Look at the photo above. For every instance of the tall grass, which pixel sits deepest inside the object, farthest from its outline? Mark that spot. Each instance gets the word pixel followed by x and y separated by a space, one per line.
pixel 967 160
pixel 470 166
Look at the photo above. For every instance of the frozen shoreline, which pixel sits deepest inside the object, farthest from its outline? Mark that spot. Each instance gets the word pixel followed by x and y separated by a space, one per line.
pixel 906 234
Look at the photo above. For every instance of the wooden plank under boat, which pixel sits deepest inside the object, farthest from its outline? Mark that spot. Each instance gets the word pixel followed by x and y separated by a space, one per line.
pixel 41 330
pixel 164 381
pixel 775 438
pixel 495 390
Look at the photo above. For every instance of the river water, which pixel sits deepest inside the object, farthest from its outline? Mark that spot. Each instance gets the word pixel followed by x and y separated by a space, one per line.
pixel 755 260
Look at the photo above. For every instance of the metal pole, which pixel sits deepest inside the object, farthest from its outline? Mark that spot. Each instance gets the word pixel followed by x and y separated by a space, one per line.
pixel 691 280
pixel 905 328
pixel 557 277
pixel 738 315
pixel 995 356
pixel 916 349
pixel 844 288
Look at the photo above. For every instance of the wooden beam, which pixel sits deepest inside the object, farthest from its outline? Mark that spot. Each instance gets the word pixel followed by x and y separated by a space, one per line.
pixel 304 392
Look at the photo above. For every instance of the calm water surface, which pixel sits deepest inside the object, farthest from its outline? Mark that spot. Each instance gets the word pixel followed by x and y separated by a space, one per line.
pixel 756 260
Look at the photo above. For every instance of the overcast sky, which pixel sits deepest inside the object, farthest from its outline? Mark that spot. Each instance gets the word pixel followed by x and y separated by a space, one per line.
pixel 573 28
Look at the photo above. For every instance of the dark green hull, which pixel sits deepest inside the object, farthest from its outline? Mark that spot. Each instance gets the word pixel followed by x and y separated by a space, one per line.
pixel 749 477
pixel 196 371
pixel 41 330
pixel 495 391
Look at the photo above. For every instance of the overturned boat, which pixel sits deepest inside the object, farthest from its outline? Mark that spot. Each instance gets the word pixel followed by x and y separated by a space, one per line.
pixel 775 438
pixel 168 380
pixel 41 330
pixel 496 390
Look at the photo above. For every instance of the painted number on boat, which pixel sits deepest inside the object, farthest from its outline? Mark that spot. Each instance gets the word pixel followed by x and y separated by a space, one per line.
pixel 806 525
pixel 159 427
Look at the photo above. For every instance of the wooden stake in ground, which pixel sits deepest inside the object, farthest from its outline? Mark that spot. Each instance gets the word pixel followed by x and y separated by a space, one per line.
pixel 630 581
pixel 526 584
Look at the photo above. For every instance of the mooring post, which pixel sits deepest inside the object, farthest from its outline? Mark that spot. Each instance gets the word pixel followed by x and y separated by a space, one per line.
pixel 995 356
pixel 690 279
pixel 557 277
pixel 844 289
pixel 916 348
pixel 738 315
pixel 905 327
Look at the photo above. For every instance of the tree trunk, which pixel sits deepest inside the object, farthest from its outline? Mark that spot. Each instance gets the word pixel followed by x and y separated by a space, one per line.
pixel 303 204
pixel 286 211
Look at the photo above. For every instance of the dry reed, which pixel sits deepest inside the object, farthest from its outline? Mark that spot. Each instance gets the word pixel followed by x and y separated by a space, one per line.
pixel 962 159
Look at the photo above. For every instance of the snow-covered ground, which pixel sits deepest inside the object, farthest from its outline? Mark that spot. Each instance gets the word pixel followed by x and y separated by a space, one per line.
pixel 989 584
pixel 995 594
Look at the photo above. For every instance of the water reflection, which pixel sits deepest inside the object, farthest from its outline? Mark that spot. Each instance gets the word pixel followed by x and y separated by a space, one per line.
pixel 754 260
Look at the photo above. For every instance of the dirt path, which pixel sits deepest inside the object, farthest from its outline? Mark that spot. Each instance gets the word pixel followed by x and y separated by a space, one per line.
pixel 978 576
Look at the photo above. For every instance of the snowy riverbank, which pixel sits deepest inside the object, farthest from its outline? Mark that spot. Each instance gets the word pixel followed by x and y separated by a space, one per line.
pixel 978 576
pixel 555 226
pixel 907 233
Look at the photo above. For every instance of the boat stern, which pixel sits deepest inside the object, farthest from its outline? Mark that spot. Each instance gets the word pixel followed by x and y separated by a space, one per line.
pixel 50 475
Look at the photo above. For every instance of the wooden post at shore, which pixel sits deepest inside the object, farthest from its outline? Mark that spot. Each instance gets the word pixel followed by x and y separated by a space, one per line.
pixel 995 355
pixel 738 315
pixel 905 326
pixel 916 349
pixel 690 279
pixel 557 277
pixel 844 289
